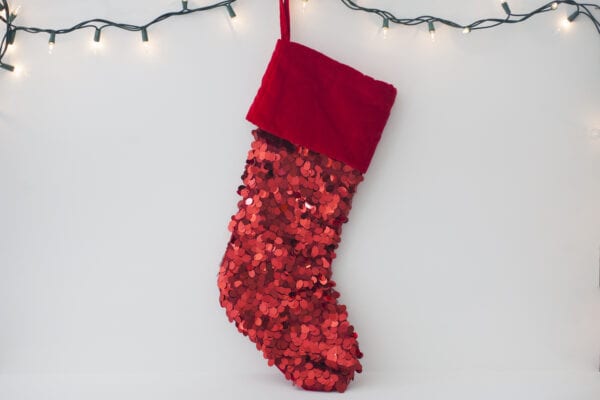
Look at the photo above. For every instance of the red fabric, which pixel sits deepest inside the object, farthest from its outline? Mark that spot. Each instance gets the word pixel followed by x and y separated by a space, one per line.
pixel 314 101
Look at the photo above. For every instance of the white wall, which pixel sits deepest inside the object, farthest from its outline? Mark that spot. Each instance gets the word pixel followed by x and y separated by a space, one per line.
pixel 472 247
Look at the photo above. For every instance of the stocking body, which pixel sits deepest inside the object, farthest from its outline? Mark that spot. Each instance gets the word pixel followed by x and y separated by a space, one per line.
pixel 275 277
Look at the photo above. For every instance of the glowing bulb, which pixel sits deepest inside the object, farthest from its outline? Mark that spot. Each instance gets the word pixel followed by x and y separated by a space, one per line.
pixel 97 35
pixel 385 27
pixel 144 35
pixel 13 14
pixel 16 69
pixel 96 45
pixel 466 30
pixel 51 42
pixel 566 22
pixel 554 5
pixel 304 3
pixel 145 41
pixel 431 31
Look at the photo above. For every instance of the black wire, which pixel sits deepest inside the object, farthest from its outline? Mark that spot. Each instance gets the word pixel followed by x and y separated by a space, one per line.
pixel 484 23
pixel 4 43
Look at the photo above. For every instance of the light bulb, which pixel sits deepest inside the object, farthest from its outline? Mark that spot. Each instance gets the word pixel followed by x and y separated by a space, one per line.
pixel 144 35
pixel 431 31
pixel 51 42
pixel 145 41
pixel 385 27
pixel 18 71
pixel 554 5
pixel 13 14
pixel 184 4
pixel 505 7
pixel 566 22
pixel 96 44
pixel 304 3
pixel 466 30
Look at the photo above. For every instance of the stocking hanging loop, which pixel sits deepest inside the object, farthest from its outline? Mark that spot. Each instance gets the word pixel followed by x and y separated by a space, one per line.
pixel 284 19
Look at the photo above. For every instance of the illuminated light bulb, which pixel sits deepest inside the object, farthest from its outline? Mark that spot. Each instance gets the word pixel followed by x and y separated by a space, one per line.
pixel 96 45
pixel 566 22
pixel 13 14
pixel 230 10
pixel 18 70
pixel 431 31
pixel 51 42
pixel 554 5
pixel 385 27
pixel 145 41
pixel 304 3
pixel 466 30
pixel 144 35
pixel 97 35
pixel 184 4
pixel 506 7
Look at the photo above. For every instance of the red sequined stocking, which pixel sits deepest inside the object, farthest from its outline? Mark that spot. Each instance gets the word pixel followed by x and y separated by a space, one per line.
pixel 275 278
pixel 319 124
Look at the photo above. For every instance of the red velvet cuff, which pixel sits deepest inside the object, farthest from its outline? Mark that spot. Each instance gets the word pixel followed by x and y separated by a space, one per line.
pixel 314 101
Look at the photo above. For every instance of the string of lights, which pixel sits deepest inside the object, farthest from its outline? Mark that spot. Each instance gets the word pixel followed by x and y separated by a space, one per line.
pixel 485 23
pixel 8 15
pixel 96 24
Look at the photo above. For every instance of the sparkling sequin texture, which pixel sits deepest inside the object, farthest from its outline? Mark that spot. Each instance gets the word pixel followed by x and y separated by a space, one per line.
pixel 275 277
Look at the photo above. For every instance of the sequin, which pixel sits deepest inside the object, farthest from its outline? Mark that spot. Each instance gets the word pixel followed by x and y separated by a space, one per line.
pixel 275 276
